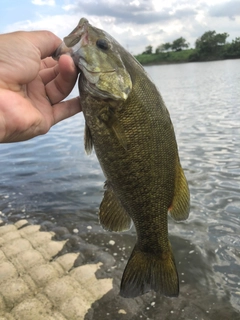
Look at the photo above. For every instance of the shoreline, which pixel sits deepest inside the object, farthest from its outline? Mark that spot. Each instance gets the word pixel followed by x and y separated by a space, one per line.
pixel 140 59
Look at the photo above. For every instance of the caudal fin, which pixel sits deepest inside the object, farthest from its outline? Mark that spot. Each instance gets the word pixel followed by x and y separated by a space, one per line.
pixel 147 271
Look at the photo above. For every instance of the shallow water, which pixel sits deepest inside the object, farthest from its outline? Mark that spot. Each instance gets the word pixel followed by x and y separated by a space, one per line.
pixel 50 178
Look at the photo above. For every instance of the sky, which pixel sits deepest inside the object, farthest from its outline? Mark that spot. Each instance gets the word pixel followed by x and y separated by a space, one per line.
pixel 135 23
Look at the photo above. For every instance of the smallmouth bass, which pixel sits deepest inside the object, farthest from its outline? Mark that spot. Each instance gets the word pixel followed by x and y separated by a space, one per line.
pixel 130 129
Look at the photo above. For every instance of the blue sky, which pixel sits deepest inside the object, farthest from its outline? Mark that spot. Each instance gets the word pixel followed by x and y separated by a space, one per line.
pixel 135 23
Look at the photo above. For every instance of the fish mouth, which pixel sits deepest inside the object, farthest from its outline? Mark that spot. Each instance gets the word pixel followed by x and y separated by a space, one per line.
pixel 91 73
pixel 72 40
pixel 74 44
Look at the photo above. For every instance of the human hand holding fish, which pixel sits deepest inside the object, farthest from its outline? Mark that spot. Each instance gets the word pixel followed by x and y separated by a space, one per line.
pixel 33 85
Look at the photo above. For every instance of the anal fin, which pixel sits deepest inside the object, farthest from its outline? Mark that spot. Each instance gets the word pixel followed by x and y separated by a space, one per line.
pixel 112 215
pixel 180 206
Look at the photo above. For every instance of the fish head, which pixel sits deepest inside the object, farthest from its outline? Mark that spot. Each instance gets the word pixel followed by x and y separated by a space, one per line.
pixel 98 57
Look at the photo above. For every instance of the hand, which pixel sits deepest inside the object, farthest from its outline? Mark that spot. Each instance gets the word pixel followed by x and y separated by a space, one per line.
pixel 32 85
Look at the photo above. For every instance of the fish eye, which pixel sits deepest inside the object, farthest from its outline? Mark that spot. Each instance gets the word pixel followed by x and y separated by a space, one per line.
pixel 102 44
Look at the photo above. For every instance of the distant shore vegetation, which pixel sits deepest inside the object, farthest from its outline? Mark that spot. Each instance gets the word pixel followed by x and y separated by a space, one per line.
pixel 209 47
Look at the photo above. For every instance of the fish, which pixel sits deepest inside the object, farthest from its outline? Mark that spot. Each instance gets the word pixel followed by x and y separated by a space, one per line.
pixel 130 129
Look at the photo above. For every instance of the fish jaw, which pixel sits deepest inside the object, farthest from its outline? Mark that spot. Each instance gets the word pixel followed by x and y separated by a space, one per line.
pixel 71 43
pixel 77 33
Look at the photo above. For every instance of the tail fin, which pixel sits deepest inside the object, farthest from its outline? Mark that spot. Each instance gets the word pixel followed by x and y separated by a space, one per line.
pixel 146 271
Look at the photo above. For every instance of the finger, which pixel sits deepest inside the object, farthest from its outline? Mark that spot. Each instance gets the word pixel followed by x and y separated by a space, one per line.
pixel 47 63
pixel 49 74
pixel 66 109
pixel 63 83
pixel 46 41
pixel 50 68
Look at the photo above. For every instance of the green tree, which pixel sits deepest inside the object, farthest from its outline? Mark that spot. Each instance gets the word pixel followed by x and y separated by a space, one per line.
pixel 179 44
pixel 160 48
pixel 148 50
pixel 210 41
pixel 167 46
pixel 221 38
pixel 163 47
pixel 233 49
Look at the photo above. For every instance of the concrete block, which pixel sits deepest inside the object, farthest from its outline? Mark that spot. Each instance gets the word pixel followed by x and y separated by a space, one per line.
pixel 60 290
pixel 30 258
pixel 6 229
pixel 74 308
pixel 11 236
pixel 14 291
pixel 15 247
pixel 67 260
pixel 7 271
pixel 29 229
pixel 51 249
pixel 43 274
pixel 19 224
pixel 38 239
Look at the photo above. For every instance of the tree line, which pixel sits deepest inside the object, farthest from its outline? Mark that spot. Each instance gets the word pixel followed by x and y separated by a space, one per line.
pixel 209 46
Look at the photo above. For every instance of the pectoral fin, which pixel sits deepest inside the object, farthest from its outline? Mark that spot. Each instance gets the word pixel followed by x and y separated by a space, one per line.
pixel 180 207
pixel 119 132
pixel 108 116
pixel 112 215
pixel 88 143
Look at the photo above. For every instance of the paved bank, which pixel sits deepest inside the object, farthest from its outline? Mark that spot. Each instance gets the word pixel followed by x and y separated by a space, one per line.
pixel 33 285
pixel 49 273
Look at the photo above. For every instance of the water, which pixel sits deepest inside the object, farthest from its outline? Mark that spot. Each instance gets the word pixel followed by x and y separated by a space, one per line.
pixel 50 178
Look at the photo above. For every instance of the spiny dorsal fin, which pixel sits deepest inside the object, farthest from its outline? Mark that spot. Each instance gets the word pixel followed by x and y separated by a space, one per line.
pixel 112 215
pixel 88 143
pixel 180 206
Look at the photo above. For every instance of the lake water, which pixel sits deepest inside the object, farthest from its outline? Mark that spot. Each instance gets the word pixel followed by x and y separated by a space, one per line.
pixel 50 178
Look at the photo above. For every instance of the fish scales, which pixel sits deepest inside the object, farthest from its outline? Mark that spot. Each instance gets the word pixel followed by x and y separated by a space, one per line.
pixel 130 128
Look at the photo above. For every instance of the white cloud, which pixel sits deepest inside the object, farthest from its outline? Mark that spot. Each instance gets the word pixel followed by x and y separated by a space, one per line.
pixel 61 25
pixel 69 7
pixel 44 2
pixel 138 24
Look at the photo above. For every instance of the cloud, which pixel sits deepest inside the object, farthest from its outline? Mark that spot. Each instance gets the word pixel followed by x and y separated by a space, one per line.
pixel 135 23
pixel 44 2
pixel 134 12
pixel 229 9
pixel 51 23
